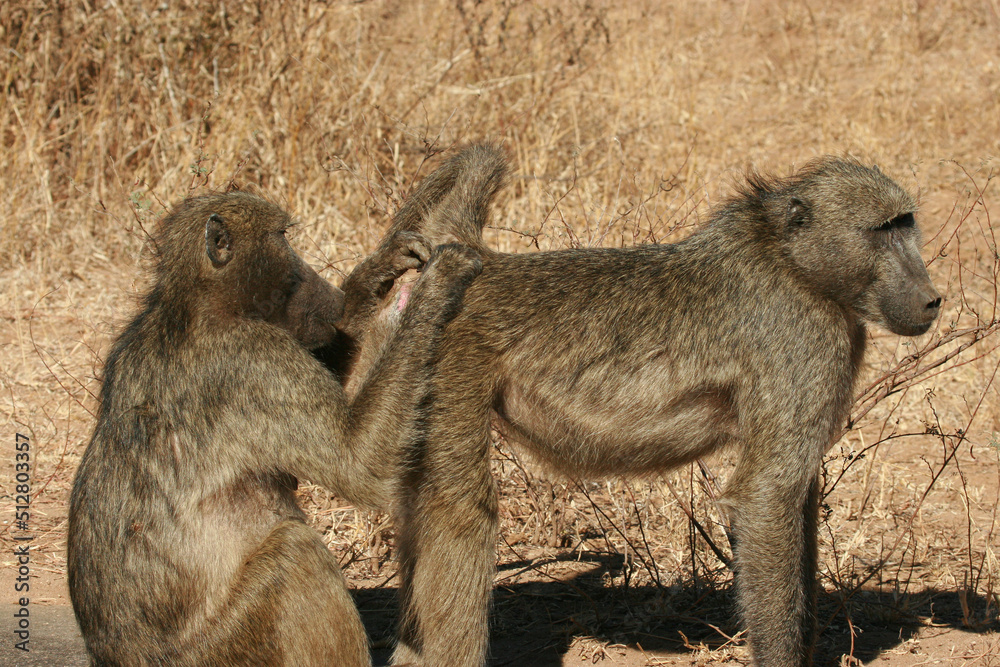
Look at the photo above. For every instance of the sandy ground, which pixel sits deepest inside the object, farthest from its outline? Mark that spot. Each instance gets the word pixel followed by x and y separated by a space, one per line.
pixel 548 624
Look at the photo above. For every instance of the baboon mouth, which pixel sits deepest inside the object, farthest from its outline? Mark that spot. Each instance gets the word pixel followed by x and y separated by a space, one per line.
pixel 911 329
pixel 316 332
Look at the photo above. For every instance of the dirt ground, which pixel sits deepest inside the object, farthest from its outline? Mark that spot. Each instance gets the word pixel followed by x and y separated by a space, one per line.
pixel 548 623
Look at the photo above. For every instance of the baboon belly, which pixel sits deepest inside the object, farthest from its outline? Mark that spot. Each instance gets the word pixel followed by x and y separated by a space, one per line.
pixel 218 534
pixel 628 426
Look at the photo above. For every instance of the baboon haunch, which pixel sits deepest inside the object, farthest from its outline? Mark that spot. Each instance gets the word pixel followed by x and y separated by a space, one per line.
pixel 629 361
pixel 186 546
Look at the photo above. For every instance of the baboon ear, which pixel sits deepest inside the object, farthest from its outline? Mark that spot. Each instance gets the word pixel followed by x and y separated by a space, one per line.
pixel 797 212
pixel 218 243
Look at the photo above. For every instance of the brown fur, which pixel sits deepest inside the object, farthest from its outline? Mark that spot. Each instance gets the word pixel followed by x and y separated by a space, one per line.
pixel 632 361
pixel 186 546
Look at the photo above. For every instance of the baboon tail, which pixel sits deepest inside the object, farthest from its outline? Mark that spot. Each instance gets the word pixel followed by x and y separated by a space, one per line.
pixel 453 203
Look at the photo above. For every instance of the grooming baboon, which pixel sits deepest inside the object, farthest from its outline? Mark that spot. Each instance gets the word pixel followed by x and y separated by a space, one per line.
pixel 186 546
pixel 629 361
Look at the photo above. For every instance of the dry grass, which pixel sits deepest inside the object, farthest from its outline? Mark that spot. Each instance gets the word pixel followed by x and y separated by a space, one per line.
pixel 626 121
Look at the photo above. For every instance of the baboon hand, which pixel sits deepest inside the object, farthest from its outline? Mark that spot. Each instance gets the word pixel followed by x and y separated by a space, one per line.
pixel 451 269
pixel 408 250
pixel 375 277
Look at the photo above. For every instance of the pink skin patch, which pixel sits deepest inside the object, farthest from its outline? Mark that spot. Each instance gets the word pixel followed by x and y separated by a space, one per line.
pixel 404 296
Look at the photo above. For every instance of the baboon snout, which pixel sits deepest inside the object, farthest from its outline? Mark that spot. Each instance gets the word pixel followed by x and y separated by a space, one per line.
pixel 912 311
pixel 933 306
pixel 312 312
pixel 928 301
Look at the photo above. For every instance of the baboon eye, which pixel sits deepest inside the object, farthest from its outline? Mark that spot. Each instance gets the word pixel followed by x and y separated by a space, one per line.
pixel 899 222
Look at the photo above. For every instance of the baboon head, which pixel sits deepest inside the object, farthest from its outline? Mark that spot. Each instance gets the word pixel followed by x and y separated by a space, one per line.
pixel 850 232
pixel 229 252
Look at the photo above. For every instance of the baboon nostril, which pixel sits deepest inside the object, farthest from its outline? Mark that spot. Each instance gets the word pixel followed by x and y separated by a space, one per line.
pixel 936 303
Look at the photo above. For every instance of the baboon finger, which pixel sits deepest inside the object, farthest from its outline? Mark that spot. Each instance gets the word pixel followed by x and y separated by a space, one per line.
pixel 451 269
pixel 413 251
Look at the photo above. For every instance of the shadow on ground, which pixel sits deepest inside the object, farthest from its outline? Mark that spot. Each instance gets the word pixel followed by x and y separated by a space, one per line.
pixel 536 623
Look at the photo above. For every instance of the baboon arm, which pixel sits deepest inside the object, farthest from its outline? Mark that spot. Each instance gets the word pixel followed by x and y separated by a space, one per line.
pixel 292 416
pixel 305 425
pixel 372 279
pixel 308 427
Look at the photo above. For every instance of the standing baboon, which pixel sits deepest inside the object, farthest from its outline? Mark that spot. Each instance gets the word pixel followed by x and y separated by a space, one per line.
pixel 628 361
pixel 186 545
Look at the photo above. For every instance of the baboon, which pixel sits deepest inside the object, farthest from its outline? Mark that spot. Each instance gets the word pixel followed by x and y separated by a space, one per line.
pixel 186 545
pixel 748 333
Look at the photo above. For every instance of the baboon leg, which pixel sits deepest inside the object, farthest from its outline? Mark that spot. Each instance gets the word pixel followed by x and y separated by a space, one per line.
pixel 289 606
pixel 810 565
pixel 448 562
pixel 776 555
pixel 448 540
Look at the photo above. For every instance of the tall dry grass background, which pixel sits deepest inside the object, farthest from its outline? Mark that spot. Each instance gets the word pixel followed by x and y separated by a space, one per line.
pixel 625 122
